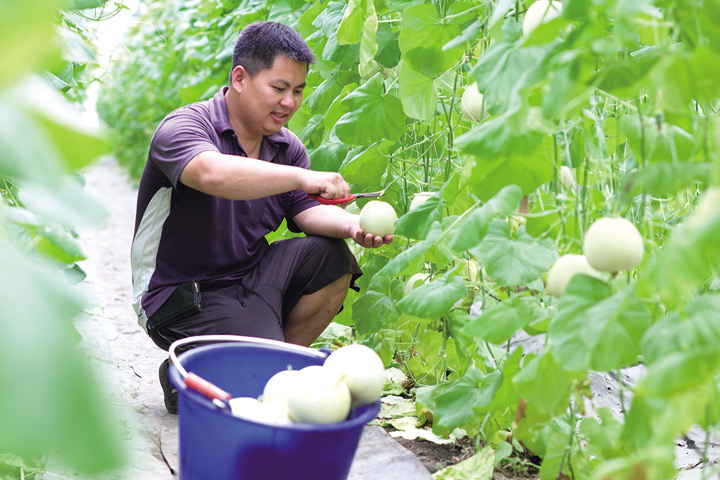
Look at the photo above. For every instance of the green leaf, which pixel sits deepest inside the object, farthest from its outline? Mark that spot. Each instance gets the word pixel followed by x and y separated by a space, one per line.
pixel 679 371
pixel 372 311
pixel 513 261
pixel 372 116
pixel 508 151
pixel 689 258
pixel 469 35
pixel 500 322
pixel 413 255
pixel 594 330
pixel 24 157
pixel 435 355
pixel 473 230
pixel 663 179
pixel 478 467
pixel 424 34
pixel 41 411
pixel 453 402
pixel 321 98
pixel 603 435
pixel 364 170
pixel 544 383
pixel 417 92
pixel 682 76
pixel 658 143
pixel 83 4
pixel 624 77
pixel 417 222
pixel 359 25
pixel 434 299
pixel 27 42
pixel 672 333
pixel 329 18
pixel 66 204
pixel 654 462
pixel 329 156
pixel 351 27
pixel 504 70
pixel 388 54
pixel 659 418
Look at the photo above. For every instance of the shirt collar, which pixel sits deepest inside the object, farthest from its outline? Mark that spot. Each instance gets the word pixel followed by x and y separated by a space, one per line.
pixel 221 120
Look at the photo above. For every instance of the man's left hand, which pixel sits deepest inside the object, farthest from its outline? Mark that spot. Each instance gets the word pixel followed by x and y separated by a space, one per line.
pixel 368 240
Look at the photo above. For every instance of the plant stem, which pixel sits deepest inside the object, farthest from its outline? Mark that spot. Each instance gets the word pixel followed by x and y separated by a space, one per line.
pixel 464 12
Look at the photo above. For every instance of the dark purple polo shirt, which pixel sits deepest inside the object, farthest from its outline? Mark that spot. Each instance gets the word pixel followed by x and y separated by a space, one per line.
pixel 182 234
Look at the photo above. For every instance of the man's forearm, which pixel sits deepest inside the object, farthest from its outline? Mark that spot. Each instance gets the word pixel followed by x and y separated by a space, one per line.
pixel 239 178
pixel 327 220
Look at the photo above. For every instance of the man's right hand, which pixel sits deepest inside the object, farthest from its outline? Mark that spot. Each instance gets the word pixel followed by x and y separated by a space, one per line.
pixel 326 184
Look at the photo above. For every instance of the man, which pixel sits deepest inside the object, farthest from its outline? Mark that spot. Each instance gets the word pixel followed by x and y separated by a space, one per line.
pixel 220 175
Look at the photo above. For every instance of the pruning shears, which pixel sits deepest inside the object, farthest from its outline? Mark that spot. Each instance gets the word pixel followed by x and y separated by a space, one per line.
pixel 338 201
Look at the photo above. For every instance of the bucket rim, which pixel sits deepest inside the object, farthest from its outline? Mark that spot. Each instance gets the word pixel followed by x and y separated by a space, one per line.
pixel 362 414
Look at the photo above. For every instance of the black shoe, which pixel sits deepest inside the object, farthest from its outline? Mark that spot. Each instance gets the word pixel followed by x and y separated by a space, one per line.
pixel 169 392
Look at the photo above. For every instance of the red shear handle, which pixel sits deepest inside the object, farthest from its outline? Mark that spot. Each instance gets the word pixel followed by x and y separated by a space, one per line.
pixel 205 388
pixel 331 201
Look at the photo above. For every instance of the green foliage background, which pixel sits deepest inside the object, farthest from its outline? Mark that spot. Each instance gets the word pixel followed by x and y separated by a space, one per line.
pixel 50 403
pixel 624 93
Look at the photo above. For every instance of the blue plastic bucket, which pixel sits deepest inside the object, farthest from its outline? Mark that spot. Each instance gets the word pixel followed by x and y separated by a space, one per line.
pixel 216 445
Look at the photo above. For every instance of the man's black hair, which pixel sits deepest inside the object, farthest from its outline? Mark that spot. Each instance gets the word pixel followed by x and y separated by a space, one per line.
pixel 259 43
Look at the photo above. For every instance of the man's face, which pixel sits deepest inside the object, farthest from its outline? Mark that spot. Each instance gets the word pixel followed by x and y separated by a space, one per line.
pixel 272 97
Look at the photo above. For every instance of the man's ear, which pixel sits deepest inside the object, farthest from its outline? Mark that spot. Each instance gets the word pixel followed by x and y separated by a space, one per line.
pixel 237 76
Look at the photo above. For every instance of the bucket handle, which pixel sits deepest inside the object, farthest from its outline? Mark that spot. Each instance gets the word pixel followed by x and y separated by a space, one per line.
pixel 216 394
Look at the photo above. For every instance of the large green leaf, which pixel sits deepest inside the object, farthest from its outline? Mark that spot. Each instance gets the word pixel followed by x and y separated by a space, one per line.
pixel 663 179
pixel 417 222
pixel 417 92
pixel 504 70
pixel 479 391
pixel 53 241
pixel 682 76
pixel 689 258
pixel 453 402
pixel 374 310
pixel 409 259
pixel 654 462
pixel 359 25
pixel 424 34
pixel 434 299
pixel 23 156
pixel 373 115
pixel 513 259
pixel 26 43
pixel 658 143
pixel 364 170
pixel 594 330
pixel 329 156
pixel 50 398
pixel 473 230
pixel 77 143
pixel 673 333
pixel 624 77
pixel 679 371
pixel 83 4
pixel 544 383
pixel 500 322
pixel 659 417
pixel 509 150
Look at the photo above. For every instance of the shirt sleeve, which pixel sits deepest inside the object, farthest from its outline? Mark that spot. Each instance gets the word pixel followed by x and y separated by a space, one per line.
pixel 180 137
